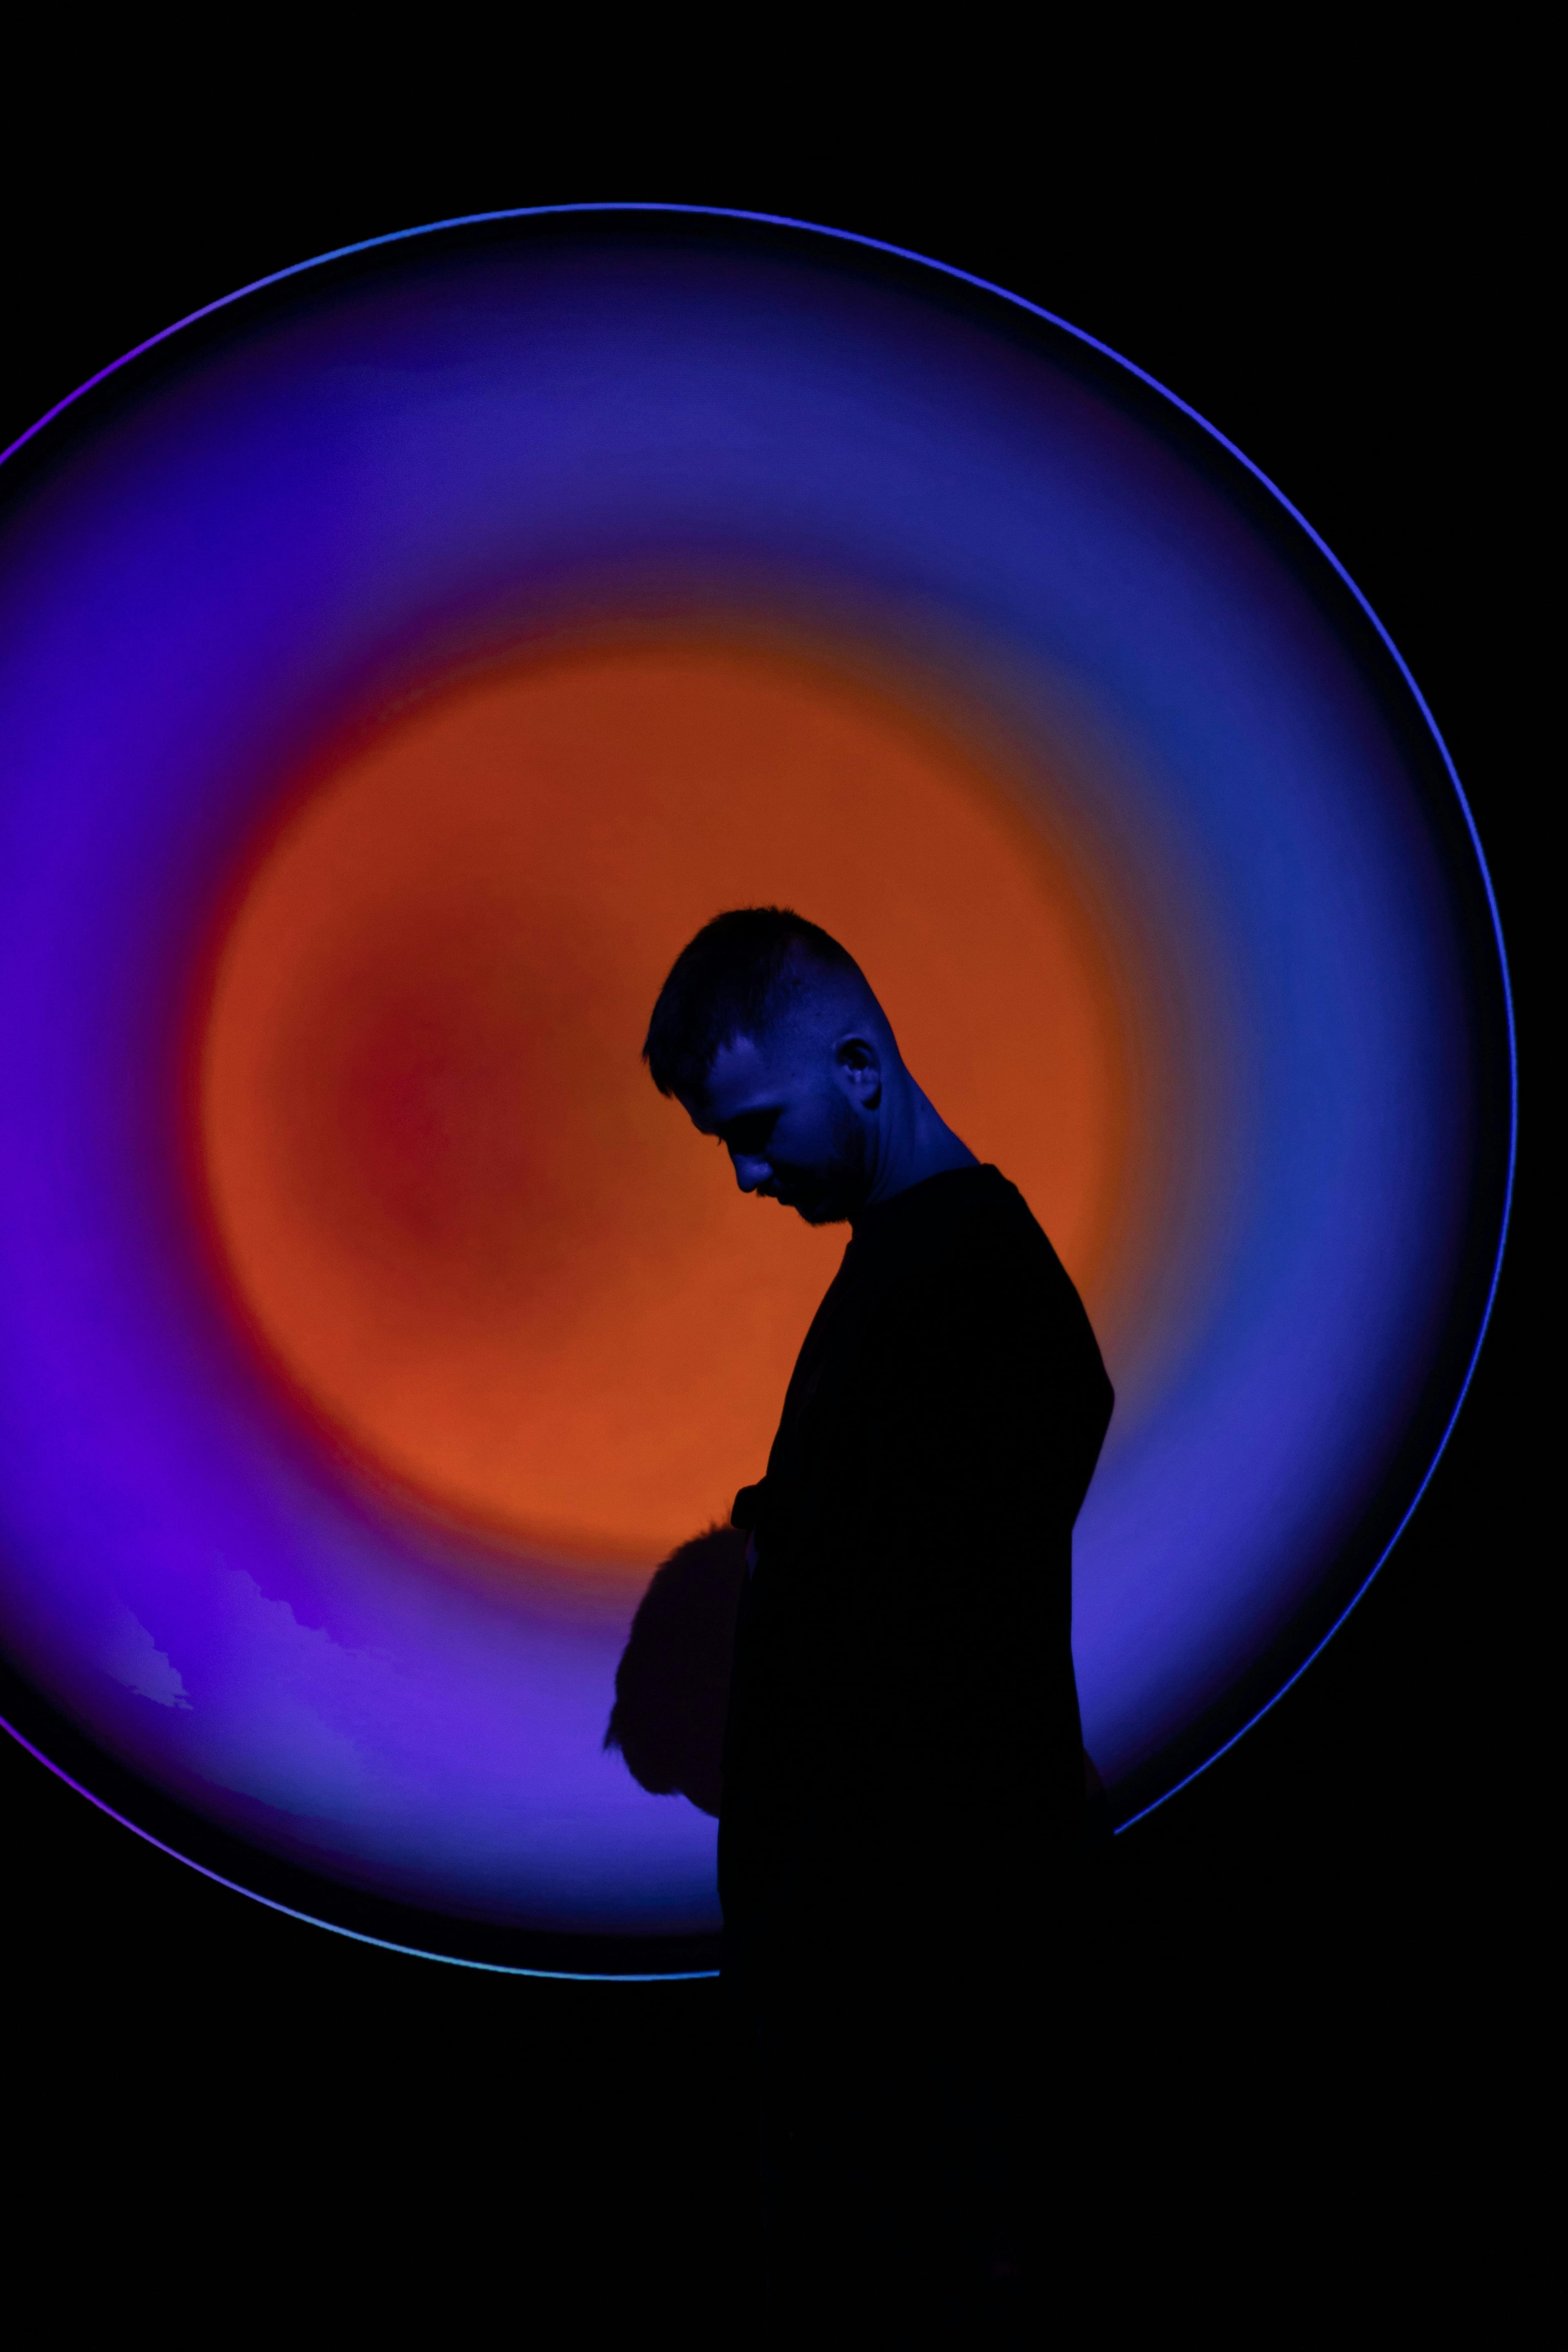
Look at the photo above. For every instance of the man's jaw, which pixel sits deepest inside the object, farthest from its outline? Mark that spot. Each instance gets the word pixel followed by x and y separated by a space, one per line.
pixel 819 1204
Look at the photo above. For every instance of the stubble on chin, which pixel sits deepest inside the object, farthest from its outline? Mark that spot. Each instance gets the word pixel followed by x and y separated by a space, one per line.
pixel 832 1204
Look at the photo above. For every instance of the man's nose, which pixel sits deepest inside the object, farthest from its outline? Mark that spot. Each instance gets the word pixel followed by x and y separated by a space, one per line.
pixel 750 1173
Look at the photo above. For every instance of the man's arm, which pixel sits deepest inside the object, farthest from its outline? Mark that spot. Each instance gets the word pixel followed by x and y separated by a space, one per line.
pixel 745 1512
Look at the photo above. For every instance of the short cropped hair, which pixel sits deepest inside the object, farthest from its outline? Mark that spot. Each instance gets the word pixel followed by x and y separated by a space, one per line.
pixel 735 978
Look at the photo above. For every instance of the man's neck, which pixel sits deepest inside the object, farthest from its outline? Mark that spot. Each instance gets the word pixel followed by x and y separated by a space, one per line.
pixel 919 1145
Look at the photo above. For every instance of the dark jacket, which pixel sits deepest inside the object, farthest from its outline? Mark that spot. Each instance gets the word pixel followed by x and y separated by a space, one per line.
pixel 903 1733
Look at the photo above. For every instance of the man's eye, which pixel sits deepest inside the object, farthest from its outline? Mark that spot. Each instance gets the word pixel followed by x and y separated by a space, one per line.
pixel 749 1137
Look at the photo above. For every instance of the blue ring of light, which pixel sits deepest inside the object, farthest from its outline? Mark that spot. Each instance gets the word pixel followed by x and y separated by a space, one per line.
pixel 1143 378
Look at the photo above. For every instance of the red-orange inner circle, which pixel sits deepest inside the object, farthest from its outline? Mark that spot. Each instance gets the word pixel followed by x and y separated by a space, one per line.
pixel 465 1224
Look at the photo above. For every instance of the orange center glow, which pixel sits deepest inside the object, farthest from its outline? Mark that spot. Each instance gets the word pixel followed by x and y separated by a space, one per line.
pixel 462 1220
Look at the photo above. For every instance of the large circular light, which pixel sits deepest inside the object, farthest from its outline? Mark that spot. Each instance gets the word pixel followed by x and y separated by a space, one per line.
pixel 399 662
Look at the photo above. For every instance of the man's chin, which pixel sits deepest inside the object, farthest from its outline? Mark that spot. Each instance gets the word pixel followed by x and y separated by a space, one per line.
pixel 823 1212
pixel 814 1204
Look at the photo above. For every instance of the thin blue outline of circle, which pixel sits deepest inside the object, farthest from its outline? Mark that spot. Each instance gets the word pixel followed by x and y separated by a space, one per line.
pixel 382 1943
pixel 967 277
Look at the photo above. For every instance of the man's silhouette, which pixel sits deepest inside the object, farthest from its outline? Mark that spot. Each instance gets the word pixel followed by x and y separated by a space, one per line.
pixel 903 1804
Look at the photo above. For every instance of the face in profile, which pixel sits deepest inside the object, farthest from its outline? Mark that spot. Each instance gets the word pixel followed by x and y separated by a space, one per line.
pixel 791 1121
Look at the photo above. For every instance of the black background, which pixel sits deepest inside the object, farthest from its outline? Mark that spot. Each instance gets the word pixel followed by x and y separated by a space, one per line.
pixel 1302 1958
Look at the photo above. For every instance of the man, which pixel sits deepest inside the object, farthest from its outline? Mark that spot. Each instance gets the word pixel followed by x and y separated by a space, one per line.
pixel 902 1800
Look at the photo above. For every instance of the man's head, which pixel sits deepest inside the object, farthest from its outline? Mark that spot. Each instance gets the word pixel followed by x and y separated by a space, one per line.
pixel 767 1034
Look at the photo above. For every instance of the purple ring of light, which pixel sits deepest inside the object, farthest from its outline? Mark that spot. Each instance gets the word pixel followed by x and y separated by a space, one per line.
pixel 69 1680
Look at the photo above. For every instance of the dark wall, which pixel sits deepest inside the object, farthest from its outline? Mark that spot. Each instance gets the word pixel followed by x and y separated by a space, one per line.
pixel 1278 1940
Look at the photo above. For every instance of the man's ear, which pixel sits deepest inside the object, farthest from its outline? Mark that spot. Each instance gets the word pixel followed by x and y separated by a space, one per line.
pixel 857 1066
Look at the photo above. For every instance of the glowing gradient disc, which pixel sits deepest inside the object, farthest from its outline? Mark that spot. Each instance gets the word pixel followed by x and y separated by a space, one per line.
pixel 397 663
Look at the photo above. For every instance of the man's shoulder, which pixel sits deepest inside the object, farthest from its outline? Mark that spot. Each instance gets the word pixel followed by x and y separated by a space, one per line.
pixel 973 1241
pixel 978 1211
pixel 994 1292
